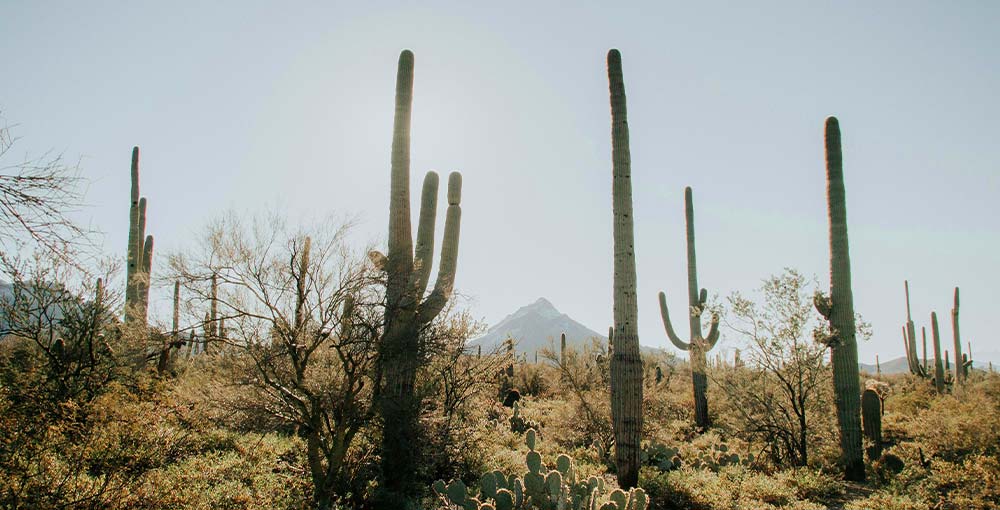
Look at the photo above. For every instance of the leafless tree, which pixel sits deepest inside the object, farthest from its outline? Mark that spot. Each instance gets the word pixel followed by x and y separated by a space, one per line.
pixel 302 313
pixel 37 195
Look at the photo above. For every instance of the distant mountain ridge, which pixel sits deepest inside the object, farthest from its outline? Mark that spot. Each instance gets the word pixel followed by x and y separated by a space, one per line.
pixel 900 366
pixel 534 326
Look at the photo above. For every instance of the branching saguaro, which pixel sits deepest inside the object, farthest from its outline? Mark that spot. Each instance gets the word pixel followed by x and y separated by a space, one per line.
pixel 139 253
pixel 626 360
pixel 698 345
pixel 838 309
pixel 408 311
pixel 910 340
pixel 961 363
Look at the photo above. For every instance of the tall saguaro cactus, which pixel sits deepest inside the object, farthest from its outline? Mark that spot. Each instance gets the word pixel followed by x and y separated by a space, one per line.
pixel 838 309
pixel 960 371
pixel 626 360
pixel 938 364
pixel 408 310
pixel 698 345
pixel 910 339
pixel 139 254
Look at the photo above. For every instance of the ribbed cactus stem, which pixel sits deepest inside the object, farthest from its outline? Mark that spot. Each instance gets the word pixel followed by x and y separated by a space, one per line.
pixel 847 387
pixel 143 279
pixel 910 338
pixel 400 254
pixel 302 285
pixel 871 412
pixel 407 276
pixel 698 346
pixel 938 363
pixel 959 362
pixel 923 336
pixel 562 347
pixel 134 252
pixel 175 330
pixel 212 316
pixel 626 362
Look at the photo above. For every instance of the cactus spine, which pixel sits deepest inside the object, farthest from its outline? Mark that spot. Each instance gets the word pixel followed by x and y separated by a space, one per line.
pixel 871 413
pixel 938 365
pixel 626 361
pixel 910 339
pixel 407 275
pixel 838 309
pixel 960 371
pixel 698 346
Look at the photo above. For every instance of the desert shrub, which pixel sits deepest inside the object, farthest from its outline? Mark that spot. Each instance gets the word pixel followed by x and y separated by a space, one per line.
pixel 811 484
pixel 955 426
pixel 535 379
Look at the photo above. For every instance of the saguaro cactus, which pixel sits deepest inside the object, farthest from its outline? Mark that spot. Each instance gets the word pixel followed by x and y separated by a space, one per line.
pixel 938 364
pixel 212 317
pixel 133 253
pixel 910 339
pixel 626 361
pixel 923 336
pixel 408 270
pixel 562 348
pixel 139 253
pixel 959 374
pixel 871 412
pixel 838 309
pixel 698 345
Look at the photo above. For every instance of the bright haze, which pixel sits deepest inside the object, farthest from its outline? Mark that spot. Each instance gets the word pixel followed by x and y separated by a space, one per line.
pixel 268 105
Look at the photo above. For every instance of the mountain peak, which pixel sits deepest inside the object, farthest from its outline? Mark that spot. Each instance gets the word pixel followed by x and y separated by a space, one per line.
pixel 543 303
pixel 534 326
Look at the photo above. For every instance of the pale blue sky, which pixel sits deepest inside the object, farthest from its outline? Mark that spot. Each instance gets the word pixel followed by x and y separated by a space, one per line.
pixel 248 104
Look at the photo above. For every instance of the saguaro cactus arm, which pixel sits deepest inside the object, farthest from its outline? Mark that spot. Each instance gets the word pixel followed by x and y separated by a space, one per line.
pixel 713 332
pixel 424 255
pixel 449 252
pixel 669 327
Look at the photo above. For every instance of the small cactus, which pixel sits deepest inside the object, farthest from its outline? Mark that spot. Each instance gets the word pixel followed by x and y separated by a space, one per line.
pixel 871 415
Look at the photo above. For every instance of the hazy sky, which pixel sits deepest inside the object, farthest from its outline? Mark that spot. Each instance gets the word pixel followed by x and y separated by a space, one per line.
pixel 247 105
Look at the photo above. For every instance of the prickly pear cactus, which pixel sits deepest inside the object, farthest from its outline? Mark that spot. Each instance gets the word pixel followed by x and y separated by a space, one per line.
pixel 718 457
pixel 538 489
